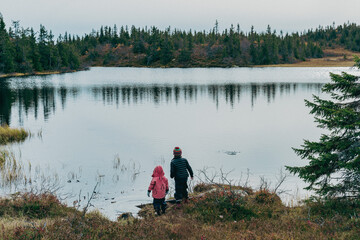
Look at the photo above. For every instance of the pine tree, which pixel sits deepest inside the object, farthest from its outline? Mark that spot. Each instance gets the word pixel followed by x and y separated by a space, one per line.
pixel 166 54
pixel 334 161
pixel 54 58
pixel 44 50
pixel 74 58
pixel 184 56
pixel 34 52
pixel 254 54
pixel 6 50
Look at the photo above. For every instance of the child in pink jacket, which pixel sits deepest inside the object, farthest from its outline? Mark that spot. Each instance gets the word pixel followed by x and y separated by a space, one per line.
pixel 160 187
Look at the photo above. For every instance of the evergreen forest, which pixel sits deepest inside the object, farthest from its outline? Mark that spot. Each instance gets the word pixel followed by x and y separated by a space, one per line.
pixel 24 50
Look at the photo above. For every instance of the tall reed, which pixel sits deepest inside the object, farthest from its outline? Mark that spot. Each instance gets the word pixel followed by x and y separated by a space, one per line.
pixel 11 171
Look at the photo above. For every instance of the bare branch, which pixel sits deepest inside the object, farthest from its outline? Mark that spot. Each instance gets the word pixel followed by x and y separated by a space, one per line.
pixel 88 204
pixel 280 180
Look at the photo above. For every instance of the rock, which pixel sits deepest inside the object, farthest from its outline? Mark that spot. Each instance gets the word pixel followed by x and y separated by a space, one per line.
pixel 125 216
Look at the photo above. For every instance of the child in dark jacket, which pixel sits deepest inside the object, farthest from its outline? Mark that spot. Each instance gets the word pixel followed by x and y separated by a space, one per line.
pixel 160 187
pixel 180 170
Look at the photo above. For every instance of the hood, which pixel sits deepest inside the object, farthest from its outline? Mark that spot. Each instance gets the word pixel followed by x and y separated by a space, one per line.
pixel 158 172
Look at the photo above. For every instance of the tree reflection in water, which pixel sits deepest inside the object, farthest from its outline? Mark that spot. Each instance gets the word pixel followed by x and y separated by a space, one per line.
pixel 34 100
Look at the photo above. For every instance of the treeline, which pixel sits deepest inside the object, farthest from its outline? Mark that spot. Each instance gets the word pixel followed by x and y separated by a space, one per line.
pixel 346 35
pixel 23 50
pixel 153 47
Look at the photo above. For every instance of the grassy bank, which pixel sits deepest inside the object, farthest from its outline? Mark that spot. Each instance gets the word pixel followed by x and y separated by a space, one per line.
pixel 217 215
pixel 333 57
pixel 9 135
pixel 8 75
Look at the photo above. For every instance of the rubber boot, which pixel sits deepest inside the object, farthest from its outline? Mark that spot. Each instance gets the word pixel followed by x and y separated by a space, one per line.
pixel 158 212
pixel 163 208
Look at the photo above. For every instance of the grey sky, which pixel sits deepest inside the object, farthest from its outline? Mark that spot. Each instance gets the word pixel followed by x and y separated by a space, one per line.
pixel 81 16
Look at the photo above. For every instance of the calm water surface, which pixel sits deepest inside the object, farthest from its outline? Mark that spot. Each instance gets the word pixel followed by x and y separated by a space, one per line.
pixel 114 125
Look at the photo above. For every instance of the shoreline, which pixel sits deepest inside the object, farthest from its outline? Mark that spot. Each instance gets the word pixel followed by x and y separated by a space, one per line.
pixel 307 63
pixel 45 73
pixel 313 62
pixel 240 213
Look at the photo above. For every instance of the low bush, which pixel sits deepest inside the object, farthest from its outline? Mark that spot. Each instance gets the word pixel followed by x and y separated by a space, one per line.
pixel 202 187
pixel 220 206
pixel 22 232
pixel 333 207
pixel 32 206
pixel 264 196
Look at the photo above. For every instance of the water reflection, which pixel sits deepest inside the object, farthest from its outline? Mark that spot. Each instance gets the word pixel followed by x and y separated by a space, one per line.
pixel 45 100
pixel 5 103
pixel 231 93
pixel 34 100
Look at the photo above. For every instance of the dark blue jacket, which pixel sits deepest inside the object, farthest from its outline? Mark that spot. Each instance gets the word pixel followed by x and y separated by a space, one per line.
pixel 179 168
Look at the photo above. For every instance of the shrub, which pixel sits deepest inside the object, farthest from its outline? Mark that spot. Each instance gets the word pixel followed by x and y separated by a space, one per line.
pixel 264 196
pixel 33 206
pixel 221 206
pixel 202 187
pixel 22 232
pixel 333 207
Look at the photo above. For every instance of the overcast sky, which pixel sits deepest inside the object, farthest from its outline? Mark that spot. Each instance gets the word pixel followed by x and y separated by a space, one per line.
pixel 81 16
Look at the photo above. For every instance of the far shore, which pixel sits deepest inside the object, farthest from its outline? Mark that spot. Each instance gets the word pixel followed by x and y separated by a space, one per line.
pixel 315 62
pixel 8 75
pixel 321 62
pixel 337 57
pixel 333 58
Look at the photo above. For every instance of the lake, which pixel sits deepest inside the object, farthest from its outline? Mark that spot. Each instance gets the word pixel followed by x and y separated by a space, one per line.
pixel 114 125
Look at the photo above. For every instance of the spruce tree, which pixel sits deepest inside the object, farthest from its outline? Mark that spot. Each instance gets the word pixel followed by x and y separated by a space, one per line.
pixel 334 161
pixel 166 54
pixel 6 50
pixel 184 56
pixel 35 56
pixel 44 50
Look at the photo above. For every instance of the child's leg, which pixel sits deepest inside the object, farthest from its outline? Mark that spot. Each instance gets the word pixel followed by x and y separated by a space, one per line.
pixel 163 205
pixel 180 189
pixel 157 205
pixel 185 193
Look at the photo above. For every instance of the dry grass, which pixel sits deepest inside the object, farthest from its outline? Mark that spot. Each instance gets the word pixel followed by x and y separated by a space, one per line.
pixel 267 218
pixel 34 73
pixel 10 224
pixel 11 171
pixel 9 135
pixel 27 74
pixel 337 57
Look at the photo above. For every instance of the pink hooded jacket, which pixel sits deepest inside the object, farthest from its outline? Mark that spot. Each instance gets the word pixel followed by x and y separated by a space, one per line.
pixel 159 183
